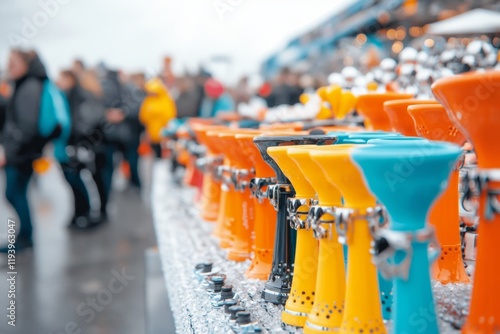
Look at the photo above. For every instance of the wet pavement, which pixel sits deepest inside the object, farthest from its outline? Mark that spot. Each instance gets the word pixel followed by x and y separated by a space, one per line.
pixel 93 281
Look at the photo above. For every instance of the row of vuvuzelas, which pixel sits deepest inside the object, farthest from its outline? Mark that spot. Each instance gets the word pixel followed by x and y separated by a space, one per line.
pixel 342 220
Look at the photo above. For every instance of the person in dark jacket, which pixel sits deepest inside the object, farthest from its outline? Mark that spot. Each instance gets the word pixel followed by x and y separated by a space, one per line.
pixel 21 140
pixel 187 100
pixel 122 108
pixel 199 86
pixel 86 114
pixel 3 112
pixel 5 91
pixel 286 90
pixel 113 132
pixel 90 82
pixel 133 95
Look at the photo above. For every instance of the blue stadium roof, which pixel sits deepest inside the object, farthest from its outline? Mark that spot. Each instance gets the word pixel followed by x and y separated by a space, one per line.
pixel 362 15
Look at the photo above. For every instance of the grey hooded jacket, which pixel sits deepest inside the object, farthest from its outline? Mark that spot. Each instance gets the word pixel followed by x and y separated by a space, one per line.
pixel 21 139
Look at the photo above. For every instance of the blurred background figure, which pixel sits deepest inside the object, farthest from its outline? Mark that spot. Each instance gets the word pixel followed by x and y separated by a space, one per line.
pixel 216 99
pixel 78 68
pixel 157 109
pixel 307 84
pixel 265 92
pixel 167 74
pixel 86 115
pixel 5 91
pixel 187 101
pixel 121 130
pixel 286 90
pixel 89 81
pixel 295 88
pixel 199 85
pixel 242 91
pixel 134 94
pixel 21 140
pixel 114 128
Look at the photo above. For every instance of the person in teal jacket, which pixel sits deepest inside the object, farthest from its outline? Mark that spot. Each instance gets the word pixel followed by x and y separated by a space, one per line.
pixel 216 100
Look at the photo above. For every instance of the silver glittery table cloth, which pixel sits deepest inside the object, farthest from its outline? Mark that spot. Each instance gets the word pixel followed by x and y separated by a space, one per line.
pixel 184 240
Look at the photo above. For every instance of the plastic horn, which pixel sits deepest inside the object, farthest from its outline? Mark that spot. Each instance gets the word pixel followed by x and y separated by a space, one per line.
pixel 371 106
pixel 210 200
pixel 471 101
pixel 398 115
pixel 326 313
pixel 432 122
pixel 415 173
pixel 241 174
pixel 278 285
pixel 264 213
pixel 354 222
pixel 302 290
pixel 222 230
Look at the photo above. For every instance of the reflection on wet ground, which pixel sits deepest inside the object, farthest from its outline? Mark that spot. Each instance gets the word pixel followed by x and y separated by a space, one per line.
pixel 92 278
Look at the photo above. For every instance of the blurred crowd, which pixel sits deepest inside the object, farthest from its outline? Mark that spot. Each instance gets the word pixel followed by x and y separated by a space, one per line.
pixel 201 95
pixel 111 116
pixel 101 113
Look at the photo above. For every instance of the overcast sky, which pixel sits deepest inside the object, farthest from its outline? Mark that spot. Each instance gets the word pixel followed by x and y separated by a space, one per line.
pixel 135 35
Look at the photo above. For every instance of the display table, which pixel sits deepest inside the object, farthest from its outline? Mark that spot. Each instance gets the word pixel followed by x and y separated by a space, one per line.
pixel 185 240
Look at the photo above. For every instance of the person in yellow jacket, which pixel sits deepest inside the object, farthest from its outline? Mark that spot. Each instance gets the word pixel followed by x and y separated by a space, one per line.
pixel 157 109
